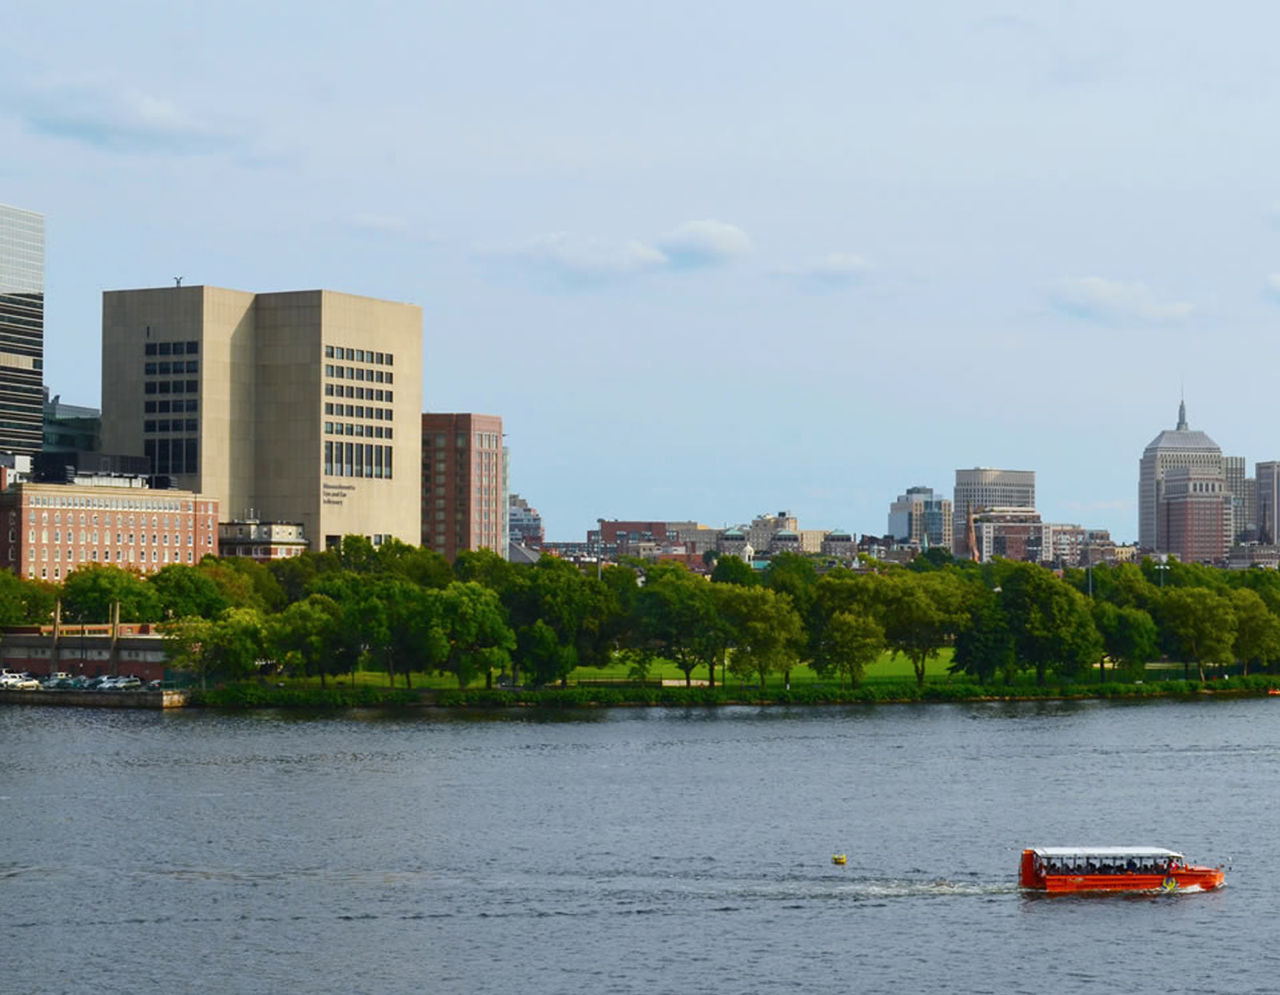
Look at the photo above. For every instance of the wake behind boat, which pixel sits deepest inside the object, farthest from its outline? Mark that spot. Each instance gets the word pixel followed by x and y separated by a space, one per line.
pixel 1066 869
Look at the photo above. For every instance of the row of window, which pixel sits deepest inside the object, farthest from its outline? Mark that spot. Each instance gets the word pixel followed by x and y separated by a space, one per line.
pixel 363 431
pixel 358 355
pixel 357 373
pixel 156 522
pixel 156 558
pixel 109 504
pixel 359 393
pixel 171 387
pixel 189 405
pixel 166 368
pixel 170 425
pixel 357 459
pixel 157 539
pixel 186 347
pixel 358 411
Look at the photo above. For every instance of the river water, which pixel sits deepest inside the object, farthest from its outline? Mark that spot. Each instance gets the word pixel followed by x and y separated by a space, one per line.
pixel 620 851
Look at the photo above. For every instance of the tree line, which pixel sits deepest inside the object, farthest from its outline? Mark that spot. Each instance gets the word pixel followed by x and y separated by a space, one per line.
pixel 399 609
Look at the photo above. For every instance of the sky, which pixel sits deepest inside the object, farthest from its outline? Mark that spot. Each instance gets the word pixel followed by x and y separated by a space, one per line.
pixel 707 260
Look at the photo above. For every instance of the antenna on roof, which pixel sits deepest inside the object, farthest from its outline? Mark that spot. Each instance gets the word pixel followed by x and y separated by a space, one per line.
pixel 177 281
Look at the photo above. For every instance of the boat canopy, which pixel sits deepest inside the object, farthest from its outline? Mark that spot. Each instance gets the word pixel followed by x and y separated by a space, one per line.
pixel 1105 853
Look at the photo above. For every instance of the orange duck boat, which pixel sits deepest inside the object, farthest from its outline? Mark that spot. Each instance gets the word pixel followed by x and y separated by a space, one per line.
pixel 1068 869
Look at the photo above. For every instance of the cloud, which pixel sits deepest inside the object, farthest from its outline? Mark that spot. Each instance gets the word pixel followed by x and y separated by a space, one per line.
pixel 834 271
pixel 695 244
pixel 1273 285
pixel 583 260
pixel 118 119
pixel 1093 298
pixel 573 260
pixel 378 224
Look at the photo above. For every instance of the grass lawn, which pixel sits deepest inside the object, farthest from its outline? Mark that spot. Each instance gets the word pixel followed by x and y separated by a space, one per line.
pixel 888 669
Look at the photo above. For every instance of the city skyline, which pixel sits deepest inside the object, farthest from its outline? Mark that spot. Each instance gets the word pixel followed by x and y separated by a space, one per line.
pixel 740 275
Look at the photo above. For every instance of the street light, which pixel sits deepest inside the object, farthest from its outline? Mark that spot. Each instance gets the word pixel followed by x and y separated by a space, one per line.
pixel 1163 568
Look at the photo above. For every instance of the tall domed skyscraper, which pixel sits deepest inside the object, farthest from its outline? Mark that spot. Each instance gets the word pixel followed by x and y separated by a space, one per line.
pixel 1197 464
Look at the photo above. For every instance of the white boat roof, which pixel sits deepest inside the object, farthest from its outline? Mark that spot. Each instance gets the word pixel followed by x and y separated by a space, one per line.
pixel 1066 852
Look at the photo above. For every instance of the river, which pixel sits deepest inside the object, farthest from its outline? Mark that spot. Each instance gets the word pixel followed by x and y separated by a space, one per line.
pixel 630 850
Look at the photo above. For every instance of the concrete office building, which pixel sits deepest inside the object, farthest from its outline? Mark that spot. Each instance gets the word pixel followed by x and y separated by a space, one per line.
pixel 463 484
pixel 21 330
pixel 920 516
pixel 1267 499
pixel 300 407
pixel 981 488
pixel 1179 447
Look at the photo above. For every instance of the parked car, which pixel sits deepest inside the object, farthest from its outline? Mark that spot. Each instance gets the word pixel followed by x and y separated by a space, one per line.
pixel 19 682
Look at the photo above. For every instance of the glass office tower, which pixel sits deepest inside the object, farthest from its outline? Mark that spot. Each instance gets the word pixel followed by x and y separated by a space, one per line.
pixel 21 330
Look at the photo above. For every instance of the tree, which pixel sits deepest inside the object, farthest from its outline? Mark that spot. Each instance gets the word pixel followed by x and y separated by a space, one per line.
pixel 1257 630
pixel 1051 622
pixel 763 631
pixel 472 631
pixel 227 647
pixel 851 640
pixel 183 591
pixel 733 570
pixel 1129 637
pixel 678 620
pixel 304 636
pixel 1201 624
pixel 920 614
pixel 89 592
pixel 984 644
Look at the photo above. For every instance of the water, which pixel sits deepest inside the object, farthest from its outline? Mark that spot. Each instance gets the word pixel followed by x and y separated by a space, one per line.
pixel 629 851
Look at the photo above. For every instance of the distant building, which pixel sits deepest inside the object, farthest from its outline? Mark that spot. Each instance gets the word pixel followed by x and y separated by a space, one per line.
pixel 839 544
pixel 1267 501
pixel 55 528
pixel 923 517
pixel 1195 514
pixel 1014 533
pixel 21 330
pixel 464 483
pixel 1177 447
pixel 983 488
pixel 524 524
pixel 761 531
pixel 70 427
pixel 261 541
pixel 302 406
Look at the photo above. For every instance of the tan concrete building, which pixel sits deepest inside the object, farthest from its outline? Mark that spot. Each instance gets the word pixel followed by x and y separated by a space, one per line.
pixel 464 483
pixel 294 407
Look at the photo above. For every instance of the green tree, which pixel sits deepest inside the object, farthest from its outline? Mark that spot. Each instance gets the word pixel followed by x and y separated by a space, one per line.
pixel 920 614
pixel 733 570
pixel 851 640
pixel 1129 637
pixel 984 643
pixel 227 647
pixel 1051 621
pixel 764 633
pixel 304 637
pixel 1201 623
pixel 473 632
pixel 89 592
pixel 183 591
pixel 1257 630
pixel 678 621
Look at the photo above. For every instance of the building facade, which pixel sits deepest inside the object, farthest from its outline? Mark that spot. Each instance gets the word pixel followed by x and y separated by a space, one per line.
pixel 294 407
pixel 983 488
pixel 1179 447
pixel 261 541
pixel 463 484
pixel 49 530
pixel 21 330
pixel 922 517
pixel 70 427
pixel 1267 501
pixel 524 524
pixel 1195 514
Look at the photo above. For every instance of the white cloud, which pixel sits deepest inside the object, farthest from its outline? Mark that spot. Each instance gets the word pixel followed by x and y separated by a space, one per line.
pixel 1094 298
pixel 579 259
pixel 704 243
pixel 832 271
pixel 1273 285
pixel 120 119
pixel 378 224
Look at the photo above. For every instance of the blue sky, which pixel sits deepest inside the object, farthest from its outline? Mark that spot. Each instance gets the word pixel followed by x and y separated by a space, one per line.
pixel 707 260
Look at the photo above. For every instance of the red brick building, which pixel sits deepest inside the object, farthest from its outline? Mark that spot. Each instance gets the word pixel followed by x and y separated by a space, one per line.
pixel 48 530
pixel 464 483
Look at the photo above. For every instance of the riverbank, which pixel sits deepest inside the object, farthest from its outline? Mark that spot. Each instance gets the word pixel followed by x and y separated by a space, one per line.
pixel 259 696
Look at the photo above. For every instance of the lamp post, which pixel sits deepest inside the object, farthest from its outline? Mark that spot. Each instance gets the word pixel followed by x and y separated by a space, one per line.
pixel 1163 568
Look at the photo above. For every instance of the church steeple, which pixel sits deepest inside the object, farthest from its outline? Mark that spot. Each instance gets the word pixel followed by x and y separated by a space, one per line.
pixel 1182 416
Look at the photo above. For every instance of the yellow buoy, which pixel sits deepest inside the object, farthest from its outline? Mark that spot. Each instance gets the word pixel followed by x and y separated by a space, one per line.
pixel 838 858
